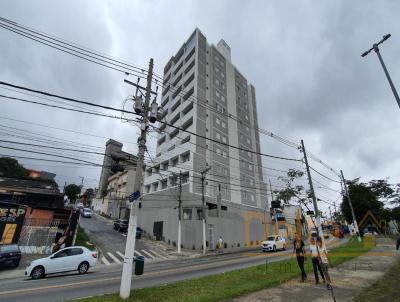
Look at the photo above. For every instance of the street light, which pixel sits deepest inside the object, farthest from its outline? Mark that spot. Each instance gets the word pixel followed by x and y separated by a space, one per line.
pixel 376 49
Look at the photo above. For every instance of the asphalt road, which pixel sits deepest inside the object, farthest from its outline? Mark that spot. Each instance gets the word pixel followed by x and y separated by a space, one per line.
pixel 102 233
pixel 106 279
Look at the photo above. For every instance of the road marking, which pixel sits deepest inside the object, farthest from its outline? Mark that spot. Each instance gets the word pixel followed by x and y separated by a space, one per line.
pixel 158 255
pixel 148 254
pixel 105 261
pixel 120 254
pixel 116 260
pixel 182 269
pixel 139 253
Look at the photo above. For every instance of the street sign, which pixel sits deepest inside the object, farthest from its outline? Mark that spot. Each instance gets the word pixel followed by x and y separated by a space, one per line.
pixel 134 196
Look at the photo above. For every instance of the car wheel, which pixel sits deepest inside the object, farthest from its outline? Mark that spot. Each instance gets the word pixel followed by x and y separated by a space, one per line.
pixel 37 272
pixel 83 268
pixel 284 247
pixel 274 248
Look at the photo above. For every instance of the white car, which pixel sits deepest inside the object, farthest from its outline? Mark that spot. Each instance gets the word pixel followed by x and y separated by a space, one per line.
pixel 74 258
pixel 273 243
pixel 86 212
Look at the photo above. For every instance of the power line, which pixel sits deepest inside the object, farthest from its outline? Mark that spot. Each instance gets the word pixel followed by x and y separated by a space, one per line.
pixel 125 111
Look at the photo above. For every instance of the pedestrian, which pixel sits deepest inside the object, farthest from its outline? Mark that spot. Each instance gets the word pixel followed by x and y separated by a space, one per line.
pixel 299 250
pixel 323 260
pixel 220 242
pixel 315 261
pixel 398 244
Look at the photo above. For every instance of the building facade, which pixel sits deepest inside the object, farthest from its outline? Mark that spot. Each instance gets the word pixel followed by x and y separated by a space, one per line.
pixel 212 115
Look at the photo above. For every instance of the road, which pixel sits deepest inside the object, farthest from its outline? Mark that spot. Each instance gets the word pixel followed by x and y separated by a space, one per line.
pixel 112 243
pixel 106 279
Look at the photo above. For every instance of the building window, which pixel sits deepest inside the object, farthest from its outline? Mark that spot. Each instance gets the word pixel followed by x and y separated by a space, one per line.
pixel 149 172
pixel 174 180
pixel 148 189
pixel 165 166
pixel 157 169
pixel 174 161
pixel 217 121
pixel 187 214
pixel 155 186
pixel 164 184
pixel 185 178
pixel 223 124
pixel 185 157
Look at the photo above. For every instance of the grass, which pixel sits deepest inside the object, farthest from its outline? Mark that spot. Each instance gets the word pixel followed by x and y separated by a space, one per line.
pixel 82 239
pixel 385 289
pixel 235 283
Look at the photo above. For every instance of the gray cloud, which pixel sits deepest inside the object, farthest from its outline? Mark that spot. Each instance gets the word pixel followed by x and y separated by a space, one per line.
pixel 303 57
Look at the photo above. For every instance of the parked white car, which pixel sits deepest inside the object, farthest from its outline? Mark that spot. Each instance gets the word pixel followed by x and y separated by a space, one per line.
pixel 74 258
pixel 273 243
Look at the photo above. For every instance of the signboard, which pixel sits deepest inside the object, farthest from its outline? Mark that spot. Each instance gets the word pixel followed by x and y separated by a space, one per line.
pixel 134 196
pixel 12 218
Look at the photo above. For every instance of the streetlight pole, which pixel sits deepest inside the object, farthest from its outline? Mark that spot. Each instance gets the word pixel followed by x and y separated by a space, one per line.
pixel 203 177
pixel 376 49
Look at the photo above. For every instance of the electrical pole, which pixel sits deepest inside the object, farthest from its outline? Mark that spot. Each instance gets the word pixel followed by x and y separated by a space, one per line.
pixel 376 49
pixel 351 207
pixel 316 211
pixel 330 212
pixel 272 199
pixel 180 212
pixel 203 177
pixel 126 278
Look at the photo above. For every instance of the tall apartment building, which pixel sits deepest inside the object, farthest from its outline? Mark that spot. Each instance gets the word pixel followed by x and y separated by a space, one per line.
pixel 205 94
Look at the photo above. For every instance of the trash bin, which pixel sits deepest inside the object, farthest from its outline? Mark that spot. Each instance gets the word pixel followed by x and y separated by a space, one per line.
pixel 139 265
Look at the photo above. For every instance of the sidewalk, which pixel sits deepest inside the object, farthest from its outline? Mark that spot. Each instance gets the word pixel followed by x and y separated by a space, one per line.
pixel 348 279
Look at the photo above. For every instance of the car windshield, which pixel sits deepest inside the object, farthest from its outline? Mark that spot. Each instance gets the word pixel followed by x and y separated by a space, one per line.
pixel 9 248
pixel 271 238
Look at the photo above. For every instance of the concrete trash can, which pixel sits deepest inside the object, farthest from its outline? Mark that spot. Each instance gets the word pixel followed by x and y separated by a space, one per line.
pixel 139 265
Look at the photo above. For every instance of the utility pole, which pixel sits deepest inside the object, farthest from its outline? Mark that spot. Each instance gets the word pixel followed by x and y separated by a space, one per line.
pixel 203 177
pixel 82 178
pixel 272 199
pixel 376 49
pixel 180 212
pixel 351 207
pixel 330 212
pixel 126 278
pixel 316 211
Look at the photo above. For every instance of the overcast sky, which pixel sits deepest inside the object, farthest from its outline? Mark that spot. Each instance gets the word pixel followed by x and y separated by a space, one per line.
pixel 303 58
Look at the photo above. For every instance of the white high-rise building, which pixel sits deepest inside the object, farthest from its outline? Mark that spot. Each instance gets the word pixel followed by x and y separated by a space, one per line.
pixel 214 110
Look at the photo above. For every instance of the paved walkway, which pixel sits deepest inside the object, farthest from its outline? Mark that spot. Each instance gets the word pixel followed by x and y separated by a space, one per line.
pixel 348 279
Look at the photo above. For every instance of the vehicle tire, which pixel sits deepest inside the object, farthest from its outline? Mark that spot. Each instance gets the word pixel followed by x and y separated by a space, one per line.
pixel 274 249
pixel 83 268
pixel 37 272
pixel 16 263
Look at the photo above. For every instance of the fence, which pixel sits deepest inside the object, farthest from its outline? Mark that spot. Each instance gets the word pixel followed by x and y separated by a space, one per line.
pixel 38 235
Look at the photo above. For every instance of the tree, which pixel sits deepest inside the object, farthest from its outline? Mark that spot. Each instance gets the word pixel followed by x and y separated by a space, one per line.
pixel 72 191
pixel 363 198
pixel 9 167
pixel 290 189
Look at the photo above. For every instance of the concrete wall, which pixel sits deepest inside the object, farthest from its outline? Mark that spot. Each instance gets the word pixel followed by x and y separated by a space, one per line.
pixel 237 225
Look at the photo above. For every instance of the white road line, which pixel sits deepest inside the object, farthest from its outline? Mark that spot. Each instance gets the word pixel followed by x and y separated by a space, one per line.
pixel 139 253
pixel 120 254
pixel 157 254
pixel 113 257
pixel 148 254
pixel 105 261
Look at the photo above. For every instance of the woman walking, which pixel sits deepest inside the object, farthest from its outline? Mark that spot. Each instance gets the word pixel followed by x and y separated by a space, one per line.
pixel 323 257
pixel 299 250
pixel 315 261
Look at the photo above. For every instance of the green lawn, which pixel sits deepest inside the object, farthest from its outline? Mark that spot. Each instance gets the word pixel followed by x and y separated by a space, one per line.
pixel 385 289
pixel 232 284
pixel 82 239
